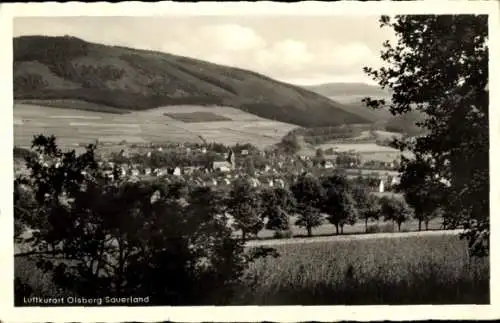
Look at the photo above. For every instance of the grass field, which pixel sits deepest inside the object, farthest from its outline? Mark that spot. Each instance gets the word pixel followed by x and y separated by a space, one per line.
pixel 73 127
pixel 200 116
pixel 366 150
pixel 433 269
pixel 74 104
pixel 327 229
pixel 403 269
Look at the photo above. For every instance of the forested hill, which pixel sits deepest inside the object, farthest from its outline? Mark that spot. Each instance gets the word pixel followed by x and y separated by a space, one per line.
pixel 131 79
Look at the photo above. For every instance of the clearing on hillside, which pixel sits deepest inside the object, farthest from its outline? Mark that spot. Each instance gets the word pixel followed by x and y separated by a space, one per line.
pixel 75 127
pixel 199 116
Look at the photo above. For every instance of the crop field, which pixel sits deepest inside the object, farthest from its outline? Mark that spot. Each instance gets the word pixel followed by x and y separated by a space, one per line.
pixel 412 269
pixel 74 127
pixel 396 269
pixel 366 150
pixel 199 116
pixel 359 147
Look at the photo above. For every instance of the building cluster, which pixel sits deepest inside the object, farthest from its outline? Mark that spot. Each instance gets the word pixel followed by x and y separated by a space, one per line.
pixel 261 168
pixel 269 168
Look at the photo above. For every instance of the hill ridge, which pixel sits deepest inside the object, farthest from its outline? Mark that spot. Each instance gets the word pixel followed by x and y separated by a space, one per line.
pixel 68 67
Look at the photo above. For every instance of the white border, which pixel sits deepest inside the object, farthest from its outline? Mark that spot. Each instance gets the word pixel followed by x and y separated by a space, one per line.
pixel 243 313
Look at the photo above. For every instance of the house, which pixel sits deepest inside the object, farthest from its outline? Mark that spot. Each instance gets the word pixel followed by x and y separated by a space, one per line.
pixel 177 171
pixel 280 183
pixel 222 166
pixel 189 169
pixel 254 182
pixel 244 152
pixel 123 153
pixel 227 165
pixel 328 164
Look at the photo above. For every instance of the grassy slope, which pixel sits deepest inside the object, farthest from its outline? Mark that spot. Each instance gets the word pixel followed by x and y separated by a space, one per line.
pixel 130 79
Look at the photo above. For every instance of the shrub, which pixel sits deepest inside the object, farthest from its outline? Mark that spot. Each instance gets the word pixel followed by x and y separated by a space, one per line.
pixel 284 234
pixel 380 228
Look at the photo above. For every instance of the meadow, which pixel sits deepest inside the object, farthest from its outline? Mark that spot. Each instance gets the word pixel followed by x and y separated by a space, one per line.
pixel 403 270
pixel 200 116
pixel 327 229
pixel 74 127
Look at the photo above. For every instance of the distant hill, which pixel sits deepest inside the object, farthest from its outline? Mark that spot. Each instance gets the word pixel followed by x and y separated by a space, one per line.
pixel 351 94
pixel 130 79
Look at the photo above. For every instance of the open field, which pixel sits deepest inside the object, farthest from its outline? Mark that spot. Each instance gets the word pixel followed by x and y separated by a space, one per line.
pixel 366 150
pixel 358 147
pixel 378 269
pixel 404 269
pixel 74 127
pixel 200 116
pixel 74 104
pixel 327 229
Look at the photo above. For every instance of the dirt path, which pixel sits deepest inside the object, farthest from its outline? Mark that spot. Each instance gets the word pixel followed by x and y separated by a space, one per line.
pixel 274 242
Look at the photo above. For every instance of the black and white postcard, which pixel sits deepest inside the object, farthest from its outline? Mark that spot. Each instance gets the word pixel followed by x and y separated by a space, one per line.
pixel 262 161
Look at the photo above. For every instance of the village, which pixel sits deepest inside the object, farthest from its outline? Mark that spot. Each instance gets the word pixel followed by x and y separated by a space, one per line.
pixel 217 165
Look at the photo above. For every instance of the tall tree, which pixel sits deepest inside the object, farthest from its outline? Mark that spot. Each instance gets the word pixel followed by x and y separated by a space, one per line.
pixel 338 202
pixel 308 193
pixel 422 191
pixel 277 203
pixel 369 209
pixel 245 205
pixel 439 66
pixel 395 210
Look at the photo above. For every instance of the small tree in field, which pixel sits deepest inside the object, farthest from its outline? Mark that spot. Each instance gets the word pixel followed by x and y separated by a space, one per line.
pixel 245 205
pixel 395 210
pixel 277 203
pixel 367 204
pixel 423 192
pixel 370 210
pixel 309 195
pixel 338 202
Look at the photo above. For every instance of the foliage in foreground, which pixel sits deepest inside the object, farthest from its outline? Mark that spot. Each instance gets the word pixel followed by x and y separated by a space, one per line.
pixel 439 67
pixel 392 271
pixel 99 235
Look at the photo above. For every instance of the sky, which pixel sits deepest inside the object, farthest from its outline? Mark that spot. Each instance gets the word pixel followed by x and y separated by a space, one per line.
pixel 296 49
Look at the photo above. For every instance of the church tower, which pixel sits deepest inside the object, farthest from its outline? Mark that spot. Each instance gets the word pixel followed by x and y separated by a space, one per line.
pixel 231 159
